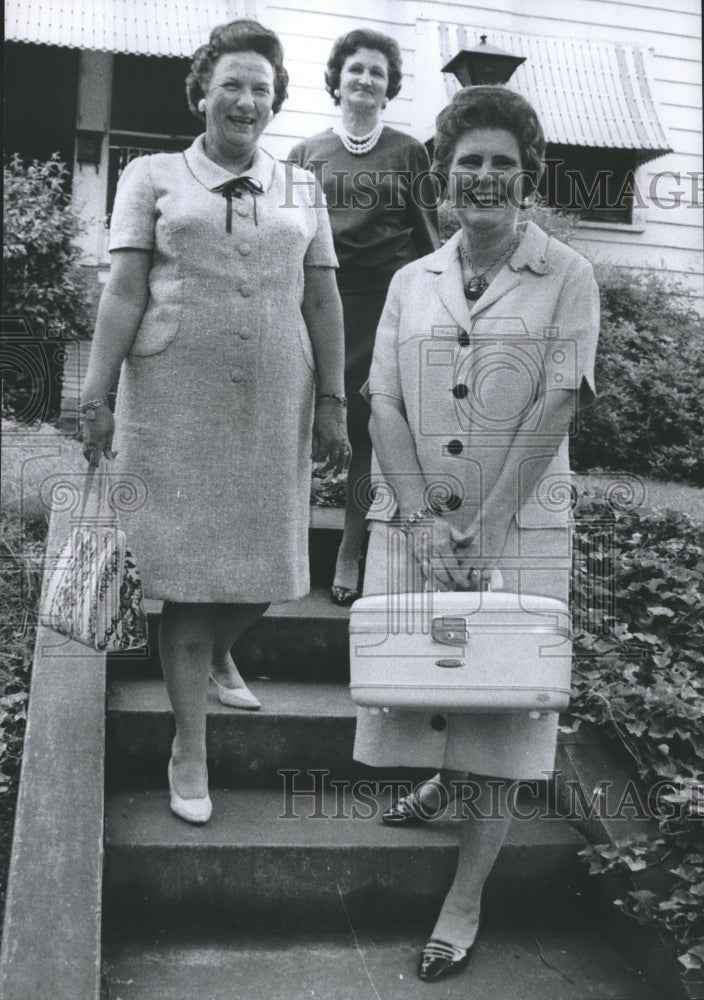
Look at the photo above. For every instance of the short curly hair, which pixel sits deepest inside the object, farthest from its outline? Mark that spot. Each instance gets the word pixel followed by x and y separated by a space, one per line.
pixel 491 107
pixel 237 36
pixel 363 38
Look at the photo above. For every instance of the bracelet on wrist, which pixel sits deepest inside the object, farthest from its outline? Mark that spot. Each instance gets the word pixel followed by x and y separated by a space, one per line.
pixel 94 404
pixel 342 400
pixel 423 514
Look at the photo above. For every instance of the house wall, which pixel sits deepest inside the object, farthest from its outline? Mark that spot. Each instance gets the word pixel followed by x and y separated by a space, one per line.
pixel 667 231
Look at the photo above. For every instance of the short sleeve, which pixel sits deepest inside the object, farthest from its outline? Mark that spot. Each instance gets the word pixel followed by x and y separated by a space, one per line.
pixel 321 250
pixel 384 374
pixel 134 213
pixel 297 155
pixel 570 359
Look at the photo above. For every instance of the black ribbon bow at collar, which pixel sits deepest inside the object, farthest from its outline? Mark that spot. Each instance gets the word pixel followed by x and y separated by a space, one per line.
pixel 237 186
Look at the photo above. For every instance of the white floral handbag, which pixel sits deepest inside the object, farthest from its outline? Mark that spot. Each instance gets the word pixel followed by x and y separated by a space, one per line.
pixel 92 589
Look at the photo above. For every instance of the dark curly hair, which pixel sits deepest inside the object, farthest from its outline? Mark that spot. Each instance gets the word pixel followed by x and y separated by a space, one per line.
pixel 237 36
pixel 363 38
pixel 491 107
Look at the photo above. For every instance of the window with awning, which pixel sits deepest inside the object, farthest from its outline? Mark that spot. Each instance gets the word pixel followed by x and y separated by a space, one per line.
pixel 135 27
pixel 153 42
pixel 596 101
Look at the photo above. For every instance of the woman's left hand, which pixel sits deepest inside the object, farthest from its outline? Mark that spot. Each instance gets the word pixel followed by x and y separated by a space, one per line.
pixel 480 572
pixel 330 442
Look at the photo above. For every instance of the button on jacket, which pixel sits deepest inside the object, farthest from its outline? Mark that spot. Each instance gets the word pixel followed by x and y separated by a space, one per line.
pixel 470 377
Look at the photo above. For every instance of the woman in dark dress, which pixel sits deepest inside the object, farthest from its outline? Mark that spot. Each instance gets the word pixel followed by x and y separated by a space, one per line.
pixel 381 208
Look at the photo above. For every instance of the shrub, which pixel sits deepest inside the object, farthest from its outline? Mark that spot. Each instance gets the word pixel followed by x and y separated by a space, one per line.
pixel 43 286
pixel 649 416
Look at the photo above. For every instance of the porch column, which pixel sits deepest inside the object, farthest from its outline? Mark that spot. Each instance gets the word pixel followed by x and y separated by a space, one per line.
pixel 90 182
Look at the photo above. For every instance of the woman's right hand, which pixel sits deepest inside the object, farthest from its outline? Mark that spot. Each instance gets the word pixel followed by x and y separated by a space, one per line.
pixel 436 552
pixel 97 429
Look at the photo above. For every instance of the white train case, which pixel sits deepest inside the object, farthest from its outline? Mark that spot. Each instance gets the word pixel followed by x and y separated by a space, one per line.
pixel 481 651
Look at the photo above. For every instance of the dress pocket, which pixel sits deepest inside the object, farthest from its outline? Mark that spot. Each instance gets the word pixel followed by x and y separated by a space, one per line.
pixel 306 346
pixel 158 329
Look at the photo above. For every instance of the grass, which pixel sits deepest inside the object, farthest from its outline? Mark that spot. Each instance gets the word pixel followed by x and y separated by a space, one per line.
pixel 658 495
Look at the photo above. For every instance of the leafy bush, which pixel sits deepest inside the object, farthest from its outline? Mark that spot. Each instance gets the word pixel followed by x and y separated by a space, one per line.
pixel 649 416
pixel 639 673
pixel 43 285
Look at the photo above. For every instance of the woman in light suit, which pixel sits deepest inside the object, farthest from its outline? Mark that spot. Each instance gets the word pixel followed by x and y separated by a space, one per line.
pixel 484 352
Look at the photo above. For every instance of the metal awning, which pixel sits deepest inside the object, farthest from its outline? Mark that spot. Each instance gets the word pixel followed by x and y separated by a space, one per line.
pixel 138 27
pixel 595 94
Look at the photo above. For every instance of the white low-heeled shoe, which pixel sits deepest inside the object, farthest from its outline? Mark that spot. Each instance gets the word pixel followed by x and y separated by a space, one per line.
pixel 192 810
pixel 240 697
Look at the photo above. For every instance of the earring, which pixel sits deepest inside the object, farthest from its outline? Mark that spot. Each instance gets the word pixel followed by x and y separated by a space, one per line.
pixel 201 105
pixel 336 93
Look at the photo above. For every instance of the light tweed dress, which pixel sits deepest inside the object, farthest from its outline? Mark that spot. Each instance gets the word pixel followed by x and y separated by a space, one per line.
pixel 215 403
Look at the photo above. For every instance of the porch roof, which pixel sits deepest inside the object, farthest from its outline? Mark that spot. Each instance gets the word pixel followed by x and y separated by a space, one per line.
pixel 138 27
pixel 595 94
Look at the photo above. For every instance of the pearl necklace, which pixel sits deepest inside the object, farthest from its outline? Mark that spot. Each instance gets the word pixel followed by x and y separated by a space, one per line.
pixel 359 144
pixel 478 284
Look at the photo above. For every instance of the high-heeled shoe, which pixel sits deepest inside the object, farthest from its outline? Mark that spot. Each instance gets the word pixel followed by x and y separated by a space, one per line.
pixel 192 810
pixel 410 809
pixel 240 697
pixel 343 596
pixel 438 960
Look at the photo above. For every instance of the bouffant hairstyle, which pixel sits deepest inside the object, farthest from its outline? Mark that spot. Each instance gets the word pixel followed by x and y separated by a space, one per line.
pixel 491 107
pixel 237 36
pixel 363 38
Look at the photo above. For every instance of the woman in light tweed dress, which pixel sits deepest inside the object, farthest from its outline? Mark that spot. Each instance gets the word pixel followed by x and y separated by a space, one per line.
pixel 222 318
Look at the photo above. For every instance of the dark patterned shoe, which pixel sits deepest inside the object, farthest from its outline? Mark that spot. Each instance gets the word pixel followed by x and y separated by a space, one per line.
pixel 438 960
pixel 342 596
pixel 409 808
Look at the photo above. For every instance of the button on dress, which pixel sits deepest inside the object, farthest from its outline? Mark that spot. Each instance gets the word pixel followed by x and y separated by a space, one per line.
pixel 215 403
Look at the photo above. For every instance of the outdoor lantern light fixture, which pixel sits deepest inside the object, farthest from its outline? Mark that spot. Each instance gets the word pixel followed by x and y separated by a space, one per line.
pixel 483 63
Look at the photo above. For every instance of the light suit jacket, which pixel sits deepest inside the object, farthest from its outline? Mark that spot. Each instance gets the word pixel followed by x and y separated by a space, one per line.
pixel 473 375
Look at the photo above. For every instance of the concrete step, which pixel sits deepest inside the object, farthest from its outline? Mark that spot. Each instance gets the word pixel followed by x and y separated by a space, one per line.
pixel 317 860
pixel 565 961
pixel 305 639
pixel 301 725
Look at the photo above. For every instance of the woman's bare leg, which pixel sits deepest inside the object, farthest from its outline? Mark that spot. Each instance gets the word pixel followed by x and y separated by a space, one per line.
pixel 188 636
pixel 482 833
pixel 231 621
pixel 355 527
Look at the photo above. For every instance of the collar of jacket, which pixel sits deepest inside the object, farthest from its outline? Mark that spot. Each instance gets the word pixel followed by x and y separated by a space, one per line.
pixel 211 175
pixel 530 254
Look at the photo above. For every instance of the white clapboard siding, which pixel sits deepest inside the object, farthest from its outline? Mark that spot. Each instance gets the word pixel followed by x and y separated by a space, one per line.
pixel 663 237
